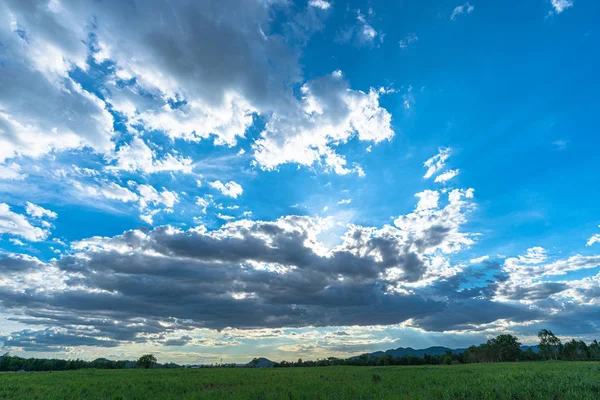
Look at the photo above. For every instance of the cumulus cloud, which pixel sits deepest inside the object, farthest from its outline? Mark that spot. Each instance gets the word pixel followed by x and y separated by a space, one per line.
pixel 479 260
pixel 231 188
pixel 465 8
pixel 39 212
pixel 11 171
pixel 322 4
pixel 329 113
pixel 42 108
pixel 137 156
pixel 149 195
pixel 258 274
pixel 15 224
pixel 191 83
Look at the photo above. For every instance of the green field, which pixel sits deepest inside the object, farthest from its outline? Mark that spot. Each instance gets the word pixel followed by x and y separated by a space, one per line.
pixel 539 380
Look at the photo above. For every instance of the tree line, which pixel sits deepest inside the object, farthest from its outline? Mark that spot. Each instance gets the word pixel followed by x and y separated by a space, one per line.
pixel 16 363
pixel 503 348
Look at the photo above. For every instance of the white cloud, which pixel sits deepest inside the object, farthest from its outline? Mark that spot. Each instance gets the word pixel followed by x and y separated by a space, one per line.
pixel 225 217
pixel 345 201
pixel 428 199
pixel 407 41
pixel 113 191
pixel 436 163
pixel 137 156
pixel 533 265
pixel 465 8
pixel 204 203
pixel 479 260
pixel 11 172
pixel 561 5
pixel 149 195
pixel 231 188
pixel 322 4
pixel 328 113
pixel 594 239
pixel 446 176
pixel 41 108
pixel 39 212
pixel 361 33
pixel 17 225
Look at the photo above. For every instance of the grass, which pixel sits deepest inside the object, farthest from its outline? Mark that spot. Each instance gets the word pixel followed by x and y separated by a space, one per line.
pixel 540 380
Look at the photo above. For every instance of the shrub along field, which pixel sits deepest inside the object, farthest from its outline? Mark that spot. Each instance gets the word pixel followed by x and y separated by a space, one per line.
pixel 523 380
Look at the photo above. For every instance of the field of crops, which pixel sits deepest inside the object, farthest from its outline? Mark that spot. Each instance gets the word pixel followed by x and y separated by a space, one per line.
pixel 541 380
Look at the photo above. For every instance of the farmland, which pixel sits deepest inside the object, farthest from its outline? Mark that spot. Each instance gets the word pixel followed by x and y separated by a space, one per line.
pixel 524 380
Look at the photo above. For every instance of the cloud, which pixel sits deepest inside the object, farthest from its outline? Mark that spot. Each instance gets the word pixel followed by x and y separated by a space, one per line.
pixel 16 242
pixel 39 212
pixel 560 5
pixel 446 176
pixel 137 156
pixel 465 8
pixel 407 41
pixel 42 109
pixel 345 201
pixel 594 239
pixel 113 191
pixel 11 171
pixel 149 195
pixel 436 163
pixel 190 83
pixel 246 274
pixel 322 4
pixel 560 144
pixel 328 114
pixel 361 33
pixel 479 260
pixel 17 225
pixel 428 199
pixel 231 188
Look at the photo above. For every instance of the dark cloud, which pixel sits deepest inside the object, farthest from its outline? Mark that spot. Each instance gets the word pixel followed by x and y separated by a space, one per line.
pixel 246 275
pixel 182 341
pixel 537 291
pixel 52 340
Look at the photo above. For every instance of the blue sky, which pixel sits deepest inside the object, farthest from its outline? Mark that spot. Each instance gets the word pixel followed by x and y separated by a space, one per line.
pixel 295 179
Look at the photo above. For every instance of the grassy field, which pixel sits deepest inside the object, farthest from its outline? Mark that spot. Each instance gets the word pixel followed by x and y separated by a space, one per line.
pixel 541 380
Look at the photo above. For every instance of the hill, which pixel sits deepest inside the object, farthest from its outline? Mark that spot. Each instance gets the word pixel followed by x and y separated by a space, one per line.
pixel 432 351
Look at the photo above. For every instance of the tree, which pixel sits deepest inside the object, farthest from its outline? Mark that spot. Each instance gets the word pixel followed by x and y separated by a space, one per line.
pixel 509 348
pixel 594 349
pixel 146 361
pixel 549 344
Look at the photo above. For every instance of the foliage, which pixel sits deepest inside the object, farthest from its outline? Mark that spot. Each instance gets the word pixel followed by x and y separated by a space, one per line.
pixel 522 380
pixel 146 361
pixel 550 345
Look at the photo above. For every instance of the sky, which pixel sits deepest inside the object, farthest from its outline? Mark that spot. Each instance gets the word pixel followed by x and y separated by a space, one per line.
pixel 228 179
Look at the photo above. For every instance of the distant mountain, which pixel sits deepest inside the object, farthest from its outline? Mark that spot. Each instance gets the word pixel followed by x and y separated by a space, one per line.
pixel 409 351
pixel 534 348
pixel 432 351
pixel 262 363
